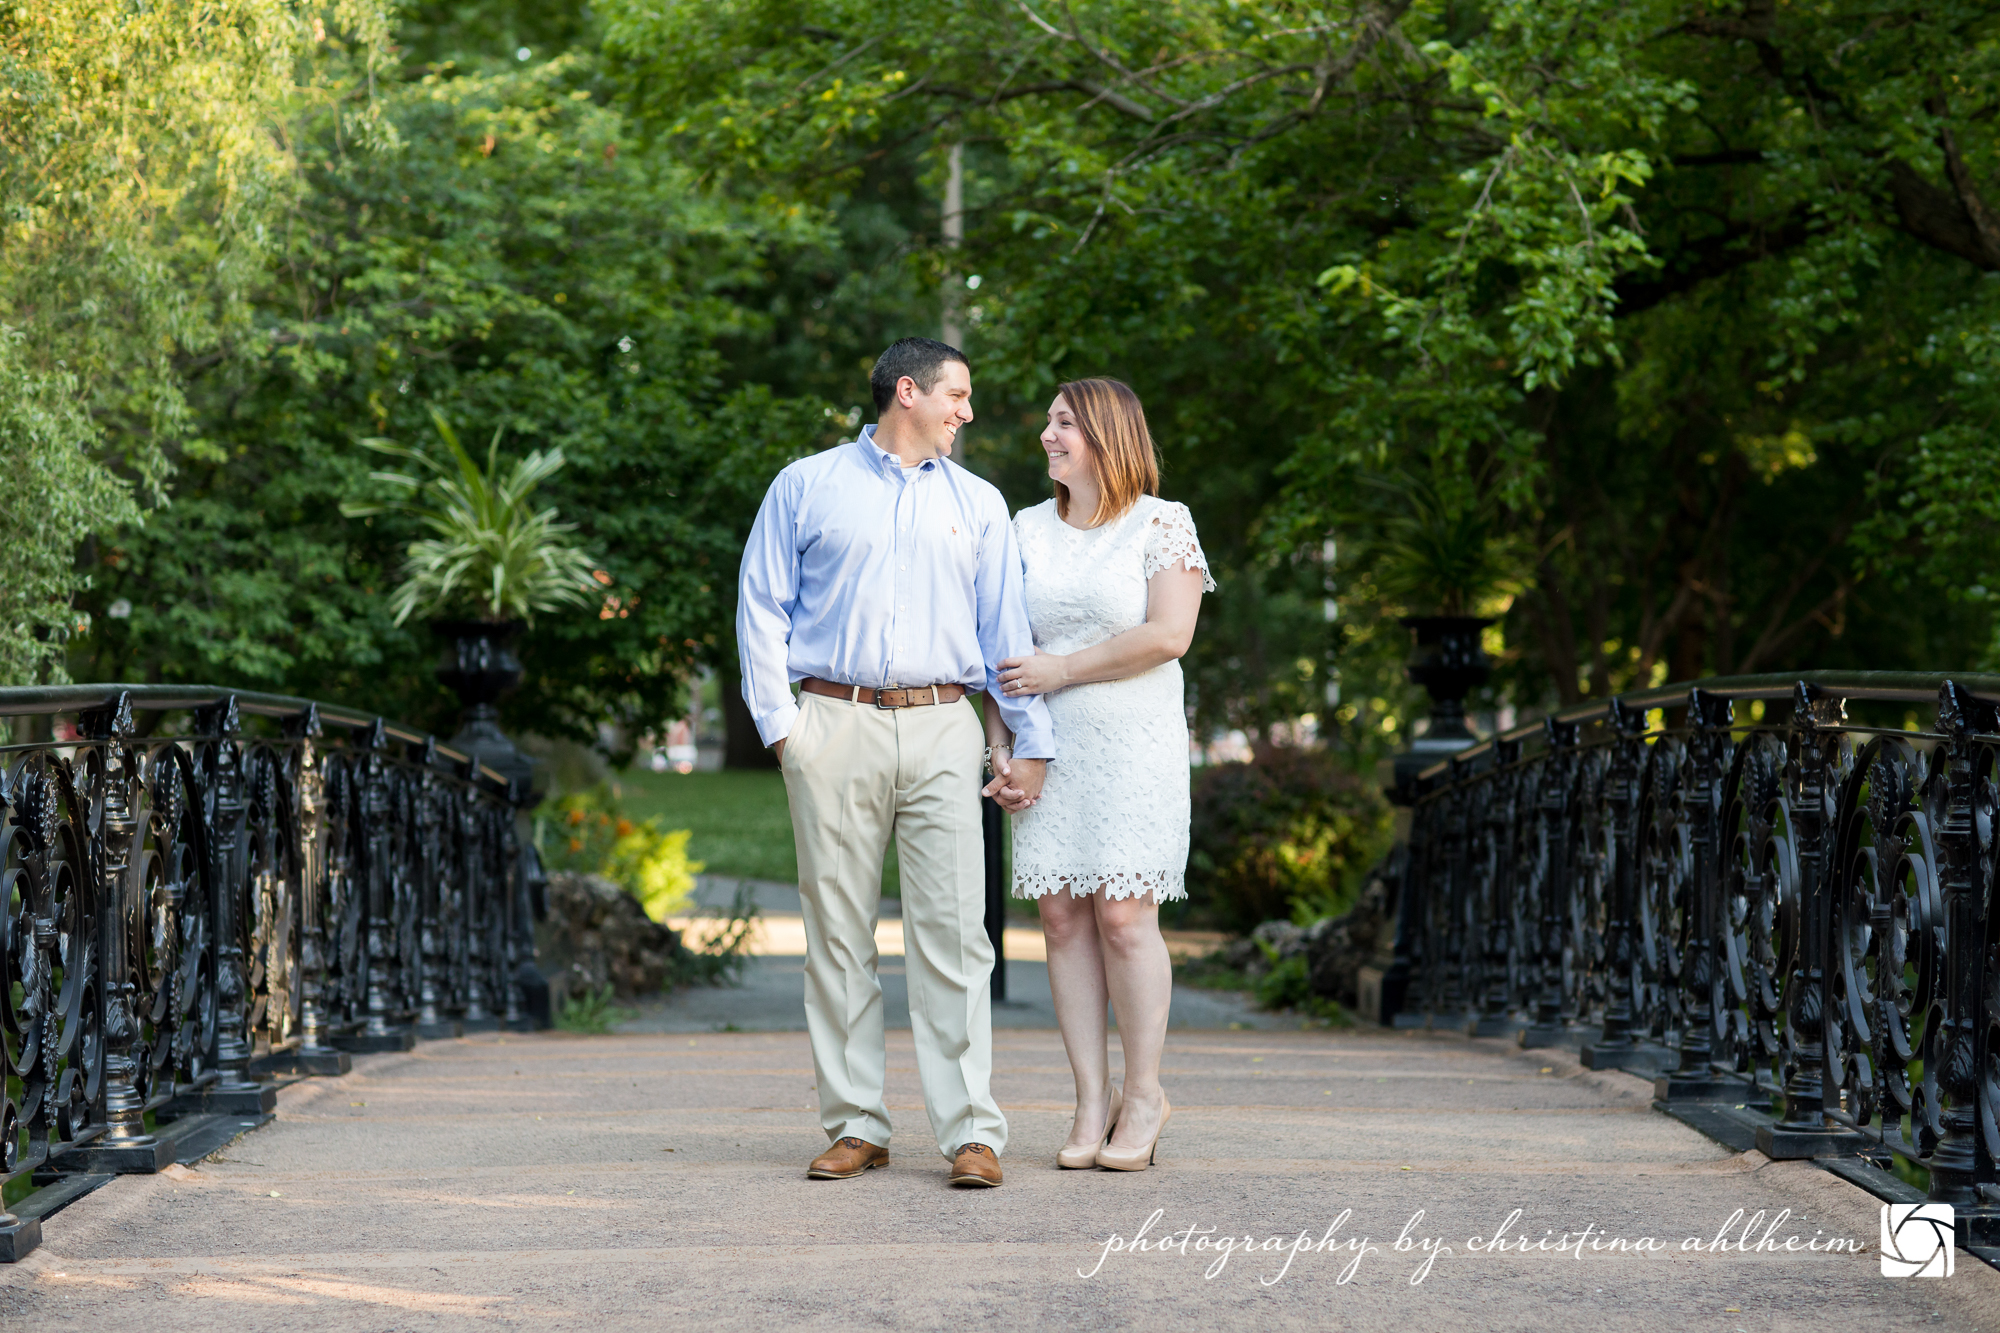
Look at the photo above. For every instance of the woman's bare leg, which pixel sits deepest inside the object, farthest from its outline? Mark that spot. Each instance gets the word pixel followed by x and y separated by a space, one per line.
pixel 1076 980
pixel 1140 977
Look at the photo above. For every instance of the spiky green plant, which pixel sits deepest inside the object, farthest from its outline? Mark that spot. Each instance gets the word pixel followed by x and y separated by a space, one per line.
pixel 491 549
pixel 1443 550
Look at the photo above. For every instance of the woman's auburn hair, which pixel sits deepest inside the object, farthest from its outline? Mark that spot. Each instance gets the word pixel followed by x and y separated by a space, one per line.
pixel 1121 448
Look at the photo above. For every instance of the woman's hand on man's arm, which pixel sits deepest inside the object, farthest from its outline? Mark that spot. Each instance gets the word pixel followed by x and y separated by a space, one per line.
pixel 1173 604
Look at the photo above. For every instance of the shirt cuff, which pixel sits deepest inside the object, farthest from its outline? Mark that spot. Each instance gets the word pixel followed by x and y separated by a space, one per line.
pixel 1034 743
pixel 775 725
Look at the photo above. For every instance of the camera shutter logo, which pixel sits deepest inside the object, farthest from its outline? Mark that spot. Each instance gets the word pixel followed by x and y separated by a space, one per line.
pixel 1917 1239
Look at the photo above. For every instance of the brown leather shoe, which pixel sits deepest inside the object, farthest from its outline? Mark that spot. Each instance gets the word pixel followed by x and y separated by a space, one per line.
pixel 975 1164
pixel 846 1159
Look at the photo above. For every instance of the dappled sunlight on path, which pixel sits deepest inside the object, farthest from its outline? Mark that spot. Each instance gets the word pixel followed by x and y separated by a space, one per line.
pixel 658 1181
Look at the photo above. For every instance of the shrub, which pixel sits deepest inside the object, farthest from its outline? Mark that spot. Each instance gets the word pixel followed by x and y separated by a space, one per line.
pixel 590 1012
pixel 588 832
pixel 1288 986
pixel 1288 835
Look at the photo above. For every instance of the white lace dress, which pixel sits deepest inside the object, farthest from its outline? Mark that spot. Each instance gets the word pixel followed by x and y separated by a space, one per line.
pixel 1114 809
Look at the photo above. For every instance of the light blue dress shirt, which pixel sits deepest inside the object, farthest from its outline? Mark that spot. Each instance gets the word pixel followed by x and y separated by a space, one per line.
pixel 864 572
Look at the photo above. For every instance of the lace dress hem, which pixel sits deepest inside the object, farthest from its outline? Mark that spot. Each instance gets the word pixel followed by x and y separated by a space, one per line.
pixel 1164 885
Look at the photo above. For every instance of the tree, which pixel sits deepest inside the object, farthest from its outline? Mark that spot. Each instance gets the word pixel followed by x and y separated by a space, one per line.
pixel 140 185
pixel 515 258
pixel 1696 294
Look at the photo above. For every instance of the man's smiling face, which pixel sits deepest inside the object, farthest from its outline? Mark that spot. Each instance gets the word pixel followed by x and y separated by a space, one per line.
pixel 937 415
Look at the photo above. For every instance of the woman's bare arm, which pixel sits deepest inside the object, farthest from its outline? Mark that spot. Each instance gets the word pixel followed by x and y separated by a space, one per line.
pixel 1173 602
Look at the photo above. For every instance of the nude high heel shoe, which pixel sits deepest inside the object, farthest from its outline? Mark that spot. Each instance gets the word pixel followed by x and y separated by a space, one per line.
pixel 1077 1159
pixel 1135 1159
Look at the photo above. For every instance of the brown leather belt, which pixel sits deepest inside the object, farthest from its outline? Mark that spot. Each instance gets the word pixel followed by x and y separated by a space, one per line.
pixel 920 696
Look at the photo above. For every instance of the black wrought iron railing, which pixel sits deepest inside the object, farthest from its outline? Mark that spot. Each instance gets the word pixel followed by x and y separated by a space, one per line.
pixel 205 889
pixel 1770 891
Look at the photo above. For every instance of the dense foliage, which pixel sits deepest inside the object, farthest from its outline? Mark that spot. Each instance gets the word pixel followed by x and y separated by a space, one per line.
pixel 1691 298
pixel 518 261
pixel 1661 330
pixel 140 193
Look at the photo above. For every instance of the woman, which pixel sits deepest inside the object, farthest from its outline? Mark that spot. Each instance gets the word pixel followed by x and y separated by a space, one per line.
pixel 1114 578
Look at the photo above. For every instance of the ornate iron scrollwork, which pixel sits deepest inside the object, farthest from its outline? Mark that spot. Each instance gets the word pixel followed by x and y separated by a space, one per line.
pixel 1803 912
pixel 180 912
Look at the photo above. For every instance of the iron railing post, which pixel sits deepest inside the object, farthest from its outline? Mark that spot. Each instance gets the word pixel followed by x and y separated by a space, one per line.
pixel 221 726
pixel 1621 1044
pixel 1554 816
pixel 115 762
pixel 1704 988
pixel 1494 866
pixel 315 1053
pixel 1813 781
pixel 376 843
pixel 1953 1028
pixel 433 994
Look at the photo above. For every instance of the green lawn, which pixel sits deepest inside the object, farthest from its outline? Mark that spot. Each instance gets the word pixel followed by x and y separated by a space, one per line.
pixel 739 822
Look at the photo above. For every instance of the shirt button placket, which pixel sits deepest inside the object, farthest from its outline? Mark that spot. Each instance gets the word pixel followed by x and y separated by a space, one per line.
pixel 895 675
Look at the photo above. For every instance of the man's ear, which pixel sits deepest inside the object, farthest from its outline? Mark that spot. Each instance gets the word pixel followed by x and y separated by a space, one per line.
pixel 907 392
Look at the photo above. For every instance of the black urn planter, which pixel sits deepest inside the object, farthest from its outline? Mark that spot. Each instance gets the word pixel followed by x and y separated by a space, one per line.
pixel 480 667
pixel 1449 663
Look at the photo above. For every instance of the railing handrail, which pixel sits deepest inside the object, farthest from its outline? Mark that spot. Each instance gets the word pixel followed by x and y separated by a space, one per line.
pixel 1875 686
pixel 31 700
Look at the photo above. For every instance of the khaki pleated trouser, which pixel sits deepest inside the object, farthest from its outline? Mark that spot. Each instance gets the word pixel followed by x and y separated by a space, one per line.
pixel 856 775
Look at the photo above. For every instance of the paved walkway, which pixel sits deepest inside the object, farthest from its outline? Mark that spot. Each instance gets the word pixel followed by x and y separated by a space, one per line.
pixel 772 998
pixel 655 1181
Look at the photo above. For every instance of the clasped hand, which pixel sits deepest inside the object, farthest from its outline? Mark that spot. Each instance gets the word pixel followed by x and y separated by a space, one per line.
pixel 1017 783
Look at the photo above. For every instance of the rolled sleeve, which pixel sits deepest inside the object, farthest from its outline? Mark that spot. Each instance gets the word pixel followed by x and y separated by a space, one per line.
pixel 1004 632
pixel 767 597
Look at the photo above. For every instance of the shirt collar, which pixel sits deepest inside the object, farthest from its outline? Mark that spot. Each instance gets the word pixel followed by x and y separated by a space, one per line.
pixel 882 458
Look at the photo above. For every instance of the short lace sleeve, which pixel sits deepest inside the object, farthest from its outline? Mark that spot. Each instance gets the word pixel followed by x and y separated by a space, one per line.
pixel 1170 541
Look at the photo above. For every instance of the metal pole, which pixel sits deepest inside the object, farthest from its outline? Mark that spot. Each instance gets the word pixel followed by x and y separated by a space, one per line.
pixel 1705 1004
pixel 996 893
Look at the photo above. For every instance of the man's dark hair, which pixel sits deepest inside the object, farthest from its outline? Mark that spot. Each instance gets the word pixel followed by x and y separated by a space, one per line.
pixel 920 358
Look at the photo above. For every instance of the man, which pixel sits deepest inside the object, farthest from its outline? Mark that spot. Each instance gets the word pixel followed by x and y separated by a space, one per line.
pixel 883 578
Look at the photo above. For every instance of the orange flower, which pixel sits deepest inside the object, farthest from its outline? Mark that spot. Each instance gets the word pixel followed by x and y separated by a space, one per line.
pixel 624 828
pixel 576 844
pixel 576 816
